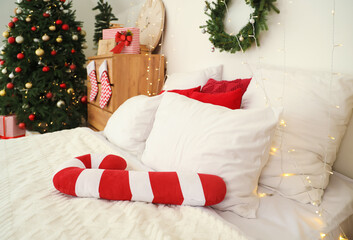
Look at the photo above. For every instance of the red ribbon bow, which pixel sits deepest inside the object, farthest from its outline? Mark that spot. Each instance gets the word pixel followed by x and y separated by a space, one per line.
pixel 122 39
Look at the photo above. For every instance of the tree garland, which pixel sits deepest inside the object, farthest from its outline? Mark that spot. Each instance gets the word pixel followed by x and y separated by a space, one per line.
pixel 247 35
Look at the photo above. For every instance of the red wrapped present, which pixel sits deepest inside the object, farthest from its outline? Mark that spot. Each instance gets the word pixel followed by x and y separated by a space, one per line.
pixel 9 128
pixel 131 44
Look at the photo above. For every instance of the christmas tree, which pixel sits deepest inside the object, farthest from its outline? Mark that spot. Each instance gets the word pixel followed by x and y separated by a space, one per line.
pixel 103 19
pixel 42 73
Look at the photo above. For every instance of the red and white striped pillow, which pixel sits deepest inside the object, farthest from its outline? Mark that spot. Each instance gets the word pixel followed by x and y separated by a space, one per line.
pixel 104 176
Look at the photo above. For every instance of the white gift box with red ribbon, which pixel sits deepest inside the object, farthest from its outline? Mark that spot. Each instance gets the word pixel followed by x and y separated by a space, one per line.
pixel 134 47
pixel 9 128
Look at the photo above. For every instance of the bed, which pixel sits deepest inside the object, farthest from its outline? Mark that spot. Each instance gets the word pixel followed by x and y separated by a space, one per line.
pixel 31 208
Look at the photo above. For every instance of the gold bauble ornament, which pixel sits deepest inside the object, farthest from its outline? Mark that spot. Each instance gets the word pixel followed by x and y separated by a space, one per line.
pixel 70 90
pixel 28 19
pixel 59 39
pixel 74 37
pixel 2 52
pixel 2 92
pixel 45 37
pixel 39 52
pixel 6 34
pixel 28 85
pixel 84 45
pixel 52 28
pixel 83 32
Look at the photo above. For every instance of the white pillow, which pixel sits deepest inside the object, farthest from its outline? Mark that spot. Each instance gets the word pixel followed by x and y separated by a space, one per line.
pixel 189 135
pixel 315 116
pixel 131 123
pixel 192 79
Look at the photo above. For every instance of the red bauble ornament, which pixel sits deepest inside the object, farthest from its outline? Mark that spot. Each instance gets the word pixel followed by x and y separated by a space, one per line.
pixel 65 27
pixel 53 52
pixel 49 95
pixel 58 22
pixel 73 51
pixel 20 56
pixel 11 40
pixel 66 64
pixel 46 15
pixel 63 85
pixel 62 1
pixel 33 28
pixel 22 125
pixel 79 29
pixel 15 19
pixel 32 117
pixel 10 85
pixel 11 24
pixel 72 66
pixel 45 69
pixel 18 69
pixel 84 99
pixel 2 62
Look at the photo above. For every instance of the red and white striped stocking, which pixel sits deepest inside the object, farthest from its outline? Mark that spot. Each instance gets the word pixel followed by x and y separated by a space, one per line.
pixel 105 84
pixel 91 71
pixel 103 176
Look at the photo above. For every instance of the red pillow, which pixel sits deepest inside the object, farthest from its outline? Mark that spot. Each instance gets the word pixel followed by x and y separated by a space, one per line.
pixel 213 86
pixel 230 99
pixel 184 91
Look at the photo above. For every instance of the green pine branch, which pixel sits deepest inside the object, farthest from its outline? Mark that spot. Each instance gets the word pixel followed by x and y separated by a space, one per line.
pixel 103 19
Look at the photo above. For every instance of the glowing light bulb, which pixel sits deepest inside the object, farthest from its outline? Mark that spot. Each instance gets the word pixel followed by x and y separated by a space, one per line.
pixel 282 123
pixel 332 138
pixel 261 195
pixel 322 235
pixel 287 174
pixel 342 238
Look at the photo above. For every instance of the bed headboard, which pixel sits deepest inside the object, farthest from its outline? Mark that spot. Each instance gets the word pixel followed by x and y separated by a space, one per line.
pixel 344 162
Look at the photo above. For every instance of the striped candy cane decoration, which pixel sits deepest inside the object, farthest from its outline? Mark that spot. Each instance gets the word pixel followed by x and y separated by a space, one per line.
pixel 103 176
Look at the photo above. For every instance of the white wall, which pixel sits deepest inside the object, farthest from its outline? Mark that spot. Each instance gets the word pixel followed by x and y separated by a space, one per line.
pixel 304 32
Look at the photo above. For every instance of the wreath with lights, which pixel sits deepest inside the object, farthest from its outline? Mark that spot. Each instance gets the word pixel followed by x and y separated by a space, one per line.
pixel 247 35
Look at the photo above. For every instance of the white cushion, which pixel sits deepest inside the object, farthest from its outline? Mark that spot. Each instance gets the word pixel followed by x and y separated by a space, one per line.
pixel 193 79
pixel 189 135
pixel 315 116
pixel 132 122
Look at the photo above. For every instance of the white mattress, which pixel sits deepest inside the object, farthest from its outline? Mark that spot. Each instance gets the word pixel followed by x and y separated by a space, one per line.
pixel 30 207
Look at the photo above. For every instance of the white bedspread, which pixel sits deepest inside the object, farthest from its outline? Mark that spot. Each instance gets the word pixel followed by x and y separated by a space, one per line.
pixel 31 208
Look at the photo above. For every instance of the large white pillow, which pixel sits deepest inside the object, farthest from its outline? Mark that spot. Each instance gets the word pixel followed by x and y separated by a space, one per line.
pixel 131 123
pixel 315 115
pixel 193 79
pixel 189 135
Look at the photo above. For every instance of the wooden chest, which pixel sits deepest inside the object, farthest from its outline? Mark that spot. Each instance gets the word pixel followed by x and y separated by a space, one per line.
pixel 129 75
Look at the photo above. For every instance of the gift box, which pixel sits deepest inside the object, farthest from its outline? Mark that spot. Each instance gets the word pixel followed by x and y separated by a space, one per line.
pixel 9 127
pixel 134 45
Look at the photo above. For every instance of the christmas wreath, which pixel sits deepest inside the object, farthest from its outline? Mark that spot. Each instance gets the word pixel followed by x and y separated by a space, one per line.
pixel 247 35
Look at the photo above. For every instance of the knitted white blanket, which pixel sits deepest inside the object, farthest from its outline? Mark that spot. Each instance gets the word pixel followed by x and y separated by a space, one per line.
pixel 31 208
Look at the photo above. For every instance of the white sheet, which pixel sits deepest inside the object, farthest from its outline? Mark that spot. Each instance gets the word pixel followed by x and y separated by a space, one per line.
pixel 281 218
pixel 31 208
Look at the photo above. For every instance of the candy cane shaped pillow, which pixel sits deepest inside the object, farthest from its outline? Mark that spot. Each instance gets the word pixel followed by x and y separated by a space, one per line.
pixel 104 176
